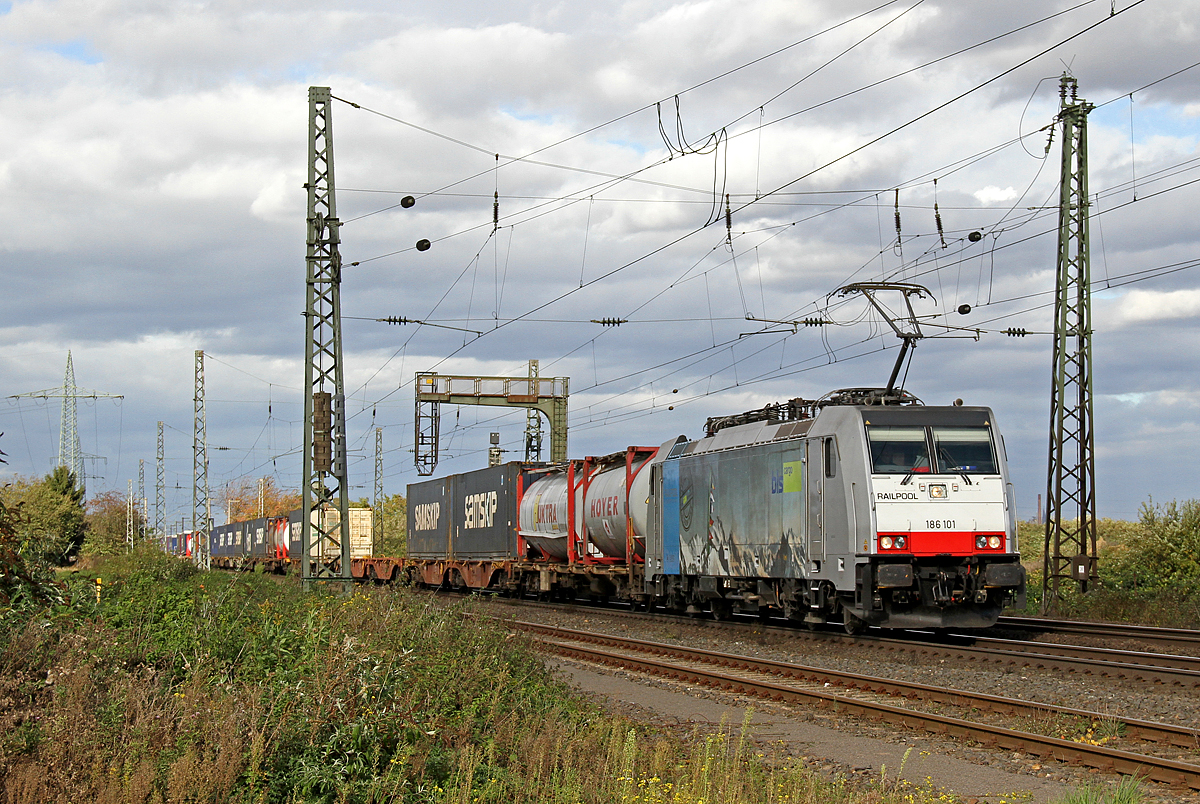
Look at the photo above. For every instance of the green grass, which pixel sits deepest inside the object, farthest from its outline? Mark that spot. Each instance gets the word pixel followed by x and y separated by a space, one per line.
pixel 181 686
pixel 1126 791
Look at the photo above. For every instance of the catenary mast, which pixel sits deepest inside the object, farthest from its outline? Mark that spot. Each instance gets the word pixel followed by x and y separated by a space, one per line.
pixel 1070 535
pixel 325 537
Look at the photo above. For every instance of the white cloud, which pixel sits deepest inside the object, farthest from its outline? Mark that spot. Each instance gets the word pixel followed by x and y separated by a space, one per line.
pixel 994 195
pixel 1144 306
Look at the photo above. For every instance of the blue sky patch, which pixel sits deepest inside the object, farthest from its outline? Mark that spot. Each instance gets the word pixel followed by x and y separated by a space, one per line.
pixel 76 50
pixel 1149 121
pixel 545 119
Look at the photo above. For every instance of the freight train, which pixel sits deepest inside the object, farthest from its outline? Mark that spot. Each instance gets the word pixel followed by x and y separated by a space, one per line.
pixel 865 507
pixel 272 543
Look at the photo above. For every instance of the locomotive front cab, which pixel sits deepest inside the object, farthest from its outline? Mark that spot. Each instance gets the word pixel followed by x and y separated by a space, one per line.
pixel 943 549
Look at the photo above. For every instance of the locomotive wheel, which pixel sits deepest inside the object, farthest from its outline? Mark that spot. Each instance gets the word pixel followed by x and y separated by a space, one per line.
pixel 721 609
pixel 852 624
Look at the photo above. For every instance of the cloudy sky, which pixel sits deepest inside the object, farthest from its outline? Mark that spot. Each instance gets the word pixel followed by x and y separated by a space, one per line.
pixel 154 205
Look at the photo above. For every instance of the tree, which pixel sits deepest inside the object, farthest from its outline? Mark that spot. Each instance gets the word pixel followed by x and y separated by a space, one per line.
pixel 51 522
pixel 239 498
pixel 395 524
pixel 24 577
pixel 107 524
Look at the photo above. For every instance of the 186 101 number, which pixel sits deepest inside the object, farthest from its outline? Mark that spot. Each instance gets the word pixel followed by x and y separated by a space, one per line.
pixel 939 524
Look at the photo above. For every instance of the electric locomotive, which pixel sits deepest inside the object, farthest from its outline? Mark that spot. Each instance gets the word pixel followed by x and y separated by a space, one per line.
pixel 864 507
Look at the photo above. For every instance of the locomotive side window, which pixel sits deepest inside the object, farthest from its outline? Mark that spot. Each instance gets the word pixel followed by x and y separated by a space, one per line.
pixel 898 450
pixel 830 458
pixel 965 449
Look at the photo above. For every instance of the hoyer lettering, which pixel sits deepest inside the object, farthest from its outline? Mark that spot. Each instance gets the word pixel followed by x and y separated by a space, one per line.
pixel 606 506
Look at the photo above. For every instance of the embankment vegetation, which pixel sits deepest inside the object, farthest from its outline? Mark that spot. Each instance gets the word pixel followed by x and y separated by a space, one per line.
pixel 166 684
pixel 1149 569
pixel 175 685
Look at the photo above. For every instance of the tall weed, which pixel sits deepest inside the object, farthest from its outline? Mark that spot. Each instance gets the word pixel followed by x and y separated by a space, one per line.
pixel 182 686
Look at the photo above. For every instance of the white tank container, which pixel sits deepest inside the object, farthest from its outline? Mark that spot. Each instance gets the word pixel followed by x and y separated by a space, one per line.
pixel 543 515
pixel 604 508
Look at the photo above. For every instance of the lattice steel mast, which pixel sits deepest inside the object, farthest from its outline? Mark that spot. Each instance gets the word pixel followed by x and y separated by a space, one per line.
pixel 160 488
pixel 201 509
pixel 533 421
pixel 325 543
pixel 70 454
pixel 143 504
pixel 377 524
pixel 130 508
pixel 1070 546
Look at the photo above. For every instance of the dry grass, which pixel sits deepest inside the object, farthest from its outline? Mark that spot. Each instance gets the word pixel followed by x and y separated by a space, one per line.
pixel 185 687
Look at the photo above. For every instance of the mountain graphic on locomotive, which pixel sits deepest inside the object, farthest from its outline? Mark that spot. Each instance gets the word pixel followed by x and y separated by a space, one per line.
pixel 865 507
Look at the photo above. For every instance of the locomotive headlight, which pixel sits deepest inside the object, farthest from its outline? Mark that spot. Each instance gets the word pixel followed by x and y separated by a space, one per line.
pixel 886 542
pixel 900 542
pixel 994 542
pixel 981 542
pixel 937 490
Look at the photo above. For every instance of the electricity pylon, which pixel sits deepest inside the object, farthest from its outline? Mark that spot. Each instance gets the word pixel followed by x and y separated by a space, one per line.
pixel 1070 546
pixel 69 453
pixel 325 540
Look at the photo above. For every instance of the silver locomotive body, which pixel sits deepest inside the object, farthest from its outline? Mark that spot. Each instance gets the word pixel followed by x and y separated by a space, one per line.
pixel 897 516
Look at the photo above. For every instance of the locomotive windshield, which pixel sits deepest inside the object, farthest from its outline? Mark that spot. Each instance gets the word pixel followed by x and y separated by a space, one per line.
pixel 901 450
pixel 898 449
pixel 964 449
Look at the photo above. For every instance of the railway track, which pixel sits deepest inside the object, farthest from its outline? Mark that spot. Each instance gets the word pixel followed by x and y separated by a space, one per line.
pixel 1175 637
pixel 1135 666
pixel 797 683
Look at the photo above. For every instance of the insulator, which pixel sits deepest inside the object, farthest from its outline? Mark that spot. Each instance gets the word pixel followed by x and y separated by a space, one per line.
pixel 423 245
pixel 814 322
pixel 975 237
pixel 964 309
pixel 897 214
pixel 407 201
pixel 1016 332
pixel 610 322
pixel 397 319
pixel 728 221
pixel 496 210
